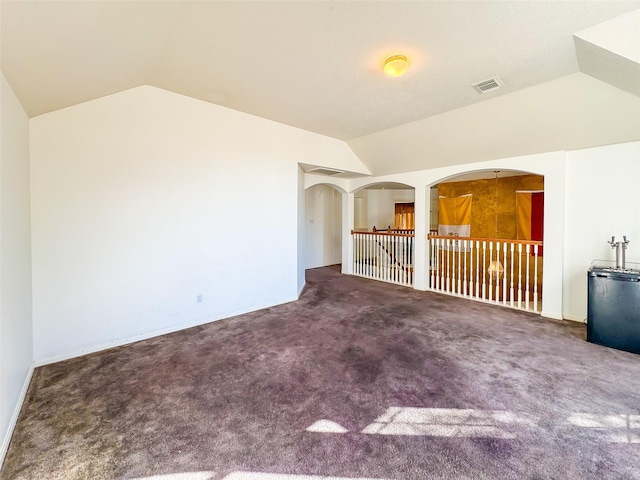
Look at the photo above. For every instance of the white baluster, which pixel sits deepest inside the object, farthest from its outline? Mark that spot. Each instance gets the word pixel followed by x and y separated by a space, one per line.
pixel 431 262
pixel 453 265
pixel 405 260
pixel 496 273
pixel 526 298
pixel 484 269
pixel 412 256
pixel 379 255
pixel 477 268
pixel 361 254
pixel 511 292
pixel 398 259
pixel 368 255
pixel 401 241
pixel 491 275
pixel 535 278
pixel 519 275
pixel 504 275
pixel 387 256
pixel 459 266
pixel 409 264
pixel 395 258
pixel 354 239
pixel 448 242
pixel 464 272
pixel 367 246
pixel 441 264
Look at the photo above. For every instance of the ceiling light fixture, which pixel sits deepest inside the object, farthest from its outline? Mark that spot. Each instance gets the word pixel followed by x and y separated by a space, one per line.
pixel 396 65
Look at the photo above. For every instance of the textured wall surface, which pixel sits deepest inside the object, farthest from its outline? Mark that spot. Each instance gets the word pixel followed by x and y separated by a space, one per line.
pixel 483 209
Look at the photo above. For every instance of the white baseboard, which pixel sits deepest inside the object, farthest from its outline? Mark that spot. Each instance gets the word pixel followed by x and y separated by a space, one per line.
pixel 39 362
pixel 14 418
pixel 553 315
pixel 575 318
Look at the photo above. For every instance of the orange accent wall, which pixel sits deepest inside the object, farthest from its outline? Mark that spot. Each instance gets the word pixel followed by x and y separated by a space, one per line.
pixel 483 205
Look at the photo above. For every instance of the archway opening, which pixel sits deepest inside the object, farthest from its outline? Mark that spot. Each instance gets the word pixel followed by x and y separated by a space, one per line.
pixel 384 232
pixel 495 196
pixel 385 206
pixel 486 237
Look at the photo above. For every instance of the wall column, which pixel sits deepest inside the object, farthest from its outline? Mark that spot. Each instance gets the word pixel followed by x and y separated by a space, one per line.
pixel 420 271
pixel 348 209
pixel 554 232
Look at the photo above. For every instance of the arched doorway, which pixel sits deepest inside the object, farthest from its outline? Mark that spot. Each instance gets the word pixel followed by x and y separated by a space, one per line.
pixel 486 240
pixel 384 232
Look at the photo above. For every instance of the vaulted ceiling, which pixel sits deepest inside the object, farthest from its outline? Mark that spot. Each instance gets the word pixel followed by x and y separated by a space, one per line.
pixel 315 65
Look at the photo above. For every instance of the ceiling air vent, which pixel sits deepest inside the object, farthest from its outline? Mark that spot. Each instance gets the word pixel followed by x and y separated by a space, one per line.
pixel 324 171
pixel 488 85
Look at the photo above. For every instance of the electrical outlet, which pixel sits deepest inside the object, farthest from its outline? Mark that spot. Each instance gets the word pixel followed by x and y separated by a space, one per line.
pixel 199 298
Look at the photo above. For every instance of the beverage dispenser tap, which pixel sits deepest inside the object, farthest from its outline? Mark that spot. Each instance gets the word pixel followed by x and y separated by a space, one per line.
pixel 620 247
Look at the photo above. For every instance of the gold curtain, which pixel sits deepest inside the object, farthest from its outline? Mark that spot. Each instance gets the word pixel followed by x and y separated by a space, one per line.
pixel 454 216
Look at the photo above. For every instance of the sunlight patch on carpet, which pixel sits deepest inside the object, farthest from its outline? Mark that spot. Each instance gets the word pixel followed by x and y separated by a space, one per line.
pixel 326 426
pixel 616 428
pixel 448 422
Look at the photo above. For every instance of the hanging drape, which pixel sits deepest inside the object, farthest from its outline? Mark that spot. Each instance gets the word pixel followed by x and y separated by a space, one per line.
pixel 454 216
pixel 530 215
pixel 404 217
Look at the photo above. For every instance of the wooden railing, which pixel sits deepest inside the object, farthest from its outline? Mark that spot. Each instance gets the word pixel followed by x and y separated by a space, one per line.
pixel 383 256
pixel 406 231
pixel 500 271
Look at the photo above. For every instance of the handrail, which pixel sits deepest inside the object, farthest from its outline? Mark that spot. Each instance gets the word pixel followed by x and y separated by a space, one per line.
pixel 384 233
pixel 502 240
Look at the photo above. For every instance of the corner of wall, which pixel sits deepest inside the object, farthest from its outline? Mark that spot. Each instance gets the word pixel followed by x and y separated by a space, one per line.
pixel 6 440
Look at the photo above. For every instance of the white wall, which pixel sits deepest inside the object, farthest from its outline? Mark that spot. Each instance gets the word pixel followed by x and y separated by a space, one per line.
pixel 602 199
pixel 380 206
pixel 16 333
pixel 143 200
pixel 323 226
pixel 433 207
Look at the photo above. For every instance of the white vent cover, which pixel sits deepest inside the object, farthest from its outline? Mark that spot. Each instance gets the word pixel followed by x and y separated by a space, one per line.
pixel 324 171
pixel 488 85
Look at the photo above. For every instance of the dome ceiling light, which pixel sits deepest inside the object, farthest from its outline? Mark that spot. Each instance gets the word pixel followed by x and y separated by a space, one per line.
pixel 396 65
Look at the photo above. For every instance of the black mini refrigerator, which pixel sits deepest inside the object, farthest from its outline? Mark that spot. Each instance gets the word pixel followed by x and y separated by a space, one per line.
pixel 613 310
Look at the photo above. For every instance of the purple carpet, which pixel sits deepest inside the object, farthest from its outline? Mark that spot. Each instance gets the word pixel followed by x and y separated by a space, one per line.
pixel 358 379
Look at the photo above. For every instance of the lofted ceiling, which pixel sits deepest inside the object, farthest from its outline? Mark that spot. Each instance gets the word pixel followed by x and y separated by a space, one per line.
pixel 315 65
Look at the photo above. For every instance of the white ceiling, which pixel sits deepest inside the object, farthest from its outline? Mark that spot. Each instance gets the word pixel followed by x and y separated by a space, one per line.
pixel 313 65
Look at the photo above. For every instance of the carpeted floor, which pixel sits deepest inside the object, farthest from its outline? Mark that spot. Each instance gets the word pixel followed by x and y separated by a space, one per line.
pixel 394 383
